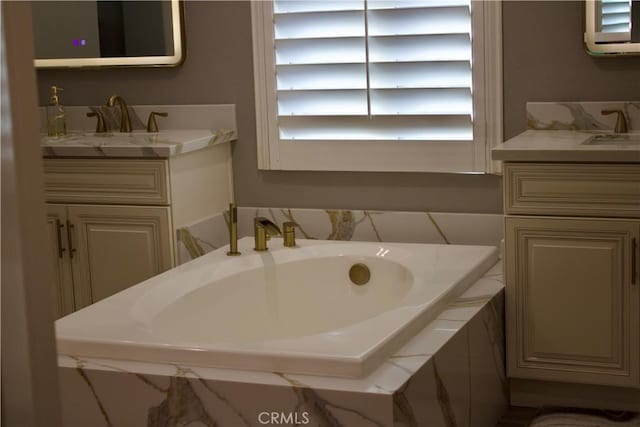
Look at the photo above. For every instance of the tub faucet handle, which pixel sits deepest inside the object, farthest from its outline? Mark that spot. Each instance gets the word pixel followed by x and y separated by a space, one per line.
pixel 289 234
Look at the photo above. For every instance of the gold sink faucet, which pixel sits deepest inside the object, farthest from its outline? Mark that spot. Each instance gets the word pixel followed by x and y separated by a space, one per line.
pixel 263 229
pixel 125 120
pixel 621 122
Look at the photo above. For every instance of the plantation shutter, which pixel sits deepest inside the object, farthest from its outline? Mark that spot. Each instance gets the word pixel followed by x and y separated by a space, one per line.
pixel 373 70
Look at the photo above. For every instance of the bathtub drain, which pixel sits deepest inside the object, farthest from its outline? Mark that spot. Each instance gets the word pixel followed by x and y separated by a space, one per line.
pixel 359 274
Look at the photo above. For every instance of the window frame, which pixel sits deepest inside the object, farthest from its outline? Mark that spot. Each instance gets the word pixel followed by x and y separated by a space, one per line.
pixel 385 156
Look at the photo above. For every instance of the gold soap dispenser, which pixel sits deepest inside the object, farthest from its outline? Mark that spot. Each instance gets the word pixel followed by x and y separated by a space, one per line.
pixel 56 121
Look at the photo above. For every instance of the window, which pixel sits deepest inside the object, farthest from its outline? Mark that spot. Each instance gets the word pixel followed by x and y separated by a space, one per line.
pixel 376 85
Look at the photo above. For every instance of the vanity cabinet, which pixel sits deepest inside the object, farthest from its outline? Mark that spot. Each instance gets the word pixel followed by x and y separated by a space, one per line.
pixel 101 250
pixel 113 221
pixel 572 280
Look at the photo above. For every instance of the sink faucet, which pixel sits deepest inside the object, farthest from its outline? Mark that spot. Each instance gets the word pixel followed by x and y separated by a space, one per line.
pixel 621 122
pixel 263 229
pixel 125 120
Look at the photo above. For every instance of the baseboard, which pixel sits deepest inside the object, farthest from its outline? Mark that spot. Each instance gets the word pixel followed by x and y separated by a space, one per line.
pixel 537 394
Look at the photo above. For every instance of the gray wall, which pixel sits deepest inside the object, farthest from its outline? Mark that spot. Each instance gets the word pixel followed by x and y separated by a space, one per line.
pixel 544 61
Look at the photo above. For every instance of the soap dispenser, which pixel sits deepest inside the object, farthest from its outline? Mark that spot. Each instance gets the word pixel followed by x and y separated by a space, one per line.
pixel 56 122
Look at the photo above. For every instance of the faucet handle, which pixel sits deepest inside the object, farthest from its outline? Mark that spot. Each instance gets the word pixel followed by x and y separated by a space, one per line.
pixel 152 126
pixel 621 121
pixel 100 125
pixel 289 234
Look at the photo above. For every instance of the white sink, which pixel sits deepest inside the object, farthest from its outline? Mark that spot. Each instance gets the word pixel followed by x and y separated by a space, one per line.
pixel 614 139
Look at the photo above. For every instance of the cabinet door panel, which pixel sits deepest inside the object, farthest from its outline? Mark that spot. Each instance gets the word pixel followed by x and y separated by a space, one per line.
pixel 59 256
pixel 572 310
pixel 117 247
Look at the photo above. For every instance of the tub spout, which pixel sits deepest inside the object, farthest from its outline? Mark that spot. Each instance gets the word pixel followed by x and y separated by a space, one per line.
pixel 263 229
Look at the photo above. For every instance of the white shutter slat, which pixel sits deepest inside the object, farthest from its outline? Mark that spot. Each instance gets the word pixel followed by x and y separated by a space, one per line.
pixel 320 51
pixel 421 75
pixel 319 25
pixel 421 101
pixel 405 4
pixel 442 20
pixel 322 103
pixel 429 128
pixel 617 28
pixel 621 7
pixel 318 77
pixel 615 18
pixel 298 6
pixel 450 47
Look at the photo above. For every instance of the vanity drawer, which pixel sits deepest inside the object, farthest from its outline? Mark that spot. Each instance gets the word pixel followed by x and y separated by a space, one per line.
pixel 608 190
pixel 108 181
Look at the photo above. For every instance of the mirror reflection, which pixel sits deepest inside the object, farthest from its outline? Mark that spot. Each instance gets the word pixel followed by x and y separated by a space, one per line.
pixel 615 21
pixel 98 33
pixel 612 27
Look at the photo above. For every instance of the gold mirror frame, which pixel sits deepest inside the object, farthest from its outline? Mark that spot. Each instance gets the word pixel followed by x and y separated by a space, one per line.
pixel 177 15
pixel 603 49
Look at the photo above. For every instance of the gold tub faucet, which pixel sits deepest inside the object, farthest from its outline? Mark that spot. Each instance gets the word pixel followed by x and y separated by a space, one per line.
pixel 263 229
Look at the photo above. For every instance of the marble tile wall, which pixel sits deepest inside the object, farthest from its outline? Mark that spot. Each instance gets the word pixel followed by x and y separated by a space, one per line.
pixel 580 115
pixel 450 374
pixel 358 225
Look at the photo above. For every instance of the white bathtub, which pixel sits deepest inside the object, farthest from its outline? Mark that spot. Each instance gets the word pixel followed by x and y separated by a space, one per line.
pixel 287 310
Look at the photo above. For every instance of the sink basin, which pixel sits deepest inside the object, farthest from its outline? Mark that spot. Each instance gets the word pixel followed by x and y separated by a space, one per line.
pixel 614 139
pixel 107 138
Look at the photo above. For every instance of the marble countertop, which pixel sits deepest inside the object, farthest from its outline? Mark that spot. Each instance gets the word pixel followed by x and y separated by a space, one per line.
pixel 568 146
pixel 167 143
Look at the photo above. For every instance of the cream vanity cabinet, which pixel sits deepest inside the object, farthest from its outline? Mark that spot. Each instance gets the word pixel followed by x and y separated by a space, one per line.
pixel 112 221
pixel 573 286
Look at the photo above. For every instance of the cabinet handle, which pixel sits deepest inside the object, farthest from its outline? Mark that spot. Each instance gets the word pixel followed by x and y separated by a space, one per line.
pixel 634 262
pixel 59 227
pixel 70 228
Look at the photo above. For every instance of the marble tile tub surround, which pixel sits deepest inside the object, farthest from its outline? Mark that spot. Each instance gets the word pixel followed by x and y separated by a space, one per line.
pixel 449 374
pixel 580 115
pixel 334 224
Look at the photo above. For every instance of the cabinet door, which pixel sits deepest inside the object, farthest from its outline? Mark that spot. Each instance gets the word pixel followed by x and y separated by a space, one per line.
pixel 59 256
pixel 572 311
pixel 115 247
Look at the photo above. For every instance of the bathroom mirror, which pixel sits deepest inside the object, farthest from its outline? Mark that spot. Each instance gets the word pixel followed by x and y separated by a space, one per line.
pixel 107 33
pixel 612 27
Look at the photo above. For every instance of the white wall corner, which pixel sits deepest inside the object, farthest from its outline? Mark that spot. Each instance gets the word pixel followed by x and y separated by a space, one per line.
pixel 493 81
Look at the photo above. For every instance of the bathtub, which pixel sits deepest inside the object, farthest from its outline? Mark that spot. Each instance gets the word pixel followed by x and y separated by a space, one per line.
pixel 292 310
